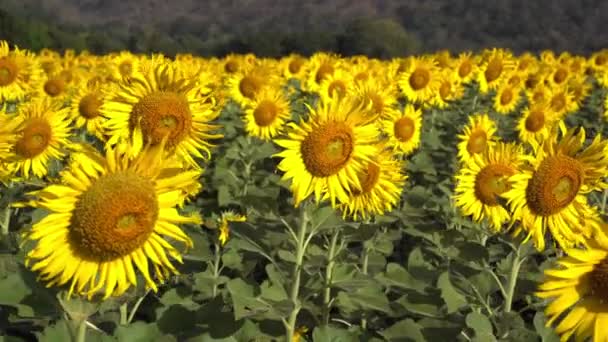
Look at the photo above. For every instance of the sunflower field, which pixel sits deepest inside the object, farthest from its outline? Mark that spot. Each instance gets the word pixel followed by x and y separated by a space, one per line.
pixel 435 197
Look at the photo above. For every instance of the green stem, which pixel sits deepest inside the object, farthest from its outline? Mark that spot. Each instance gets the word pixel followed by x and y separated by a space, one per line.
pixel 7 220
pixel 512 280
pixel 296 274
pixel 136 306
pixel 364 265
pixel 216 269
pixel 82 331
pixel 327 300
pixel 124 317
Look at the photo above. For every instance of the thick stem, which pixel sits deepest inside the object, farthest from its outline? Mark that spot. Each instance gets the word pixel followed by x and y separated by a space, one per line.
pixel 331 256
pixel 7 220
pixel 512 280
pixel 296 274
pixel 81 336
pixel 124 317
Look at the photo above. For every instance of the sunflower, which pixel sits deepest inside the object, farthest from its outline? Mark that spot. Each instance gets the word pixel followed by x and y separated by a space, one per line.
pixel 325 153
pixel 159 104
pixel 420 81
pixel 580 88
pixel 465 67
pixel 560 75
pixel 536 124
pixel 496 66
pixel 382 94
pixel 381 182
pixel 450 89
pixel 337 84
pixel 19 73
pixel 85 109
pixel 507 98
pixel 577 288
pixel 482 181
pixel 403 129
pixel 125 64
pixel 266 115
pixel 476 137
pixel 320 66
pixel 562 101
pixel 224 224
pixel 293 66
pixel 42 129
pixel 538 93
pixel 107 215
pixel 550 192
pixel 243 86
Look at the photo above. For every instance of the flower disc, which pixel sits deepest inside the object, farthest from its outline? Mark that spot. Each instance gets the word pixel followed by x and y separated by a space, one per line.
pixel 114 217
pixel 265 113
pixel 54 87
pixel 404 128
pixel 35 138
pixel 89 106
pixel 420 78
pixel 491 182
pixel 477 142
pixel 249 86
pixel 535 121
pixel 327 149
pixel 161 114
pixel 554 184
pixel 8 71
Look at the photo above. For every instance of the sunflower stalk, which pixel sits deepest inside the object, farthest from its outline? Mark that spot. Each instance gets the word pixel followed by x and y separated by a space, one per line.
pixel 81 335
pixel 6 220
pixel 124 315
pixel 136 306
pixel 290 324
pixel 216 269
pixel 364 266
pixel 331 261
pixel 510 291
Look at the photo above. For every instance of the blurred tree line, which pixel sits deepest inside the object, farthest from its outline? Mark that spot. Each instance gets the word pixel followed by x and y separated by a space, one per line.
pixel 375 37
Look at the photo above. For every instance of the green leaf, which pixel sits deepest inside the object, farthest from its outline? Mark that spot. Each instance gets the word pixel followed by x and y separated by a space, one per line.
pixel 398 276
pixel 364 298
pixel 402 331
pixel 547 334
pixel 244 299
pixel 481 325
pixel 137 332
pixel 329 333
pixel 419 267
pixel 453 299
pixel 324 218
pixel 60 331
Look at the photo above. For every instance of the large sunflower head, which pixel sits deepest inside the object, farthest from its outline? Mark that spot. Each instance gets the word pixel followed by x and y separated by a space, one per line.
pixel 266 115
pixel 550 193
pixel 109 217
pixel 403 128
pixel 160 104
pixel 577 287
pixel 42 129
pixel 382 181
pixel 476 137
pixel 482 181
pixel 19 73
pixel 324 153
pixel 420 80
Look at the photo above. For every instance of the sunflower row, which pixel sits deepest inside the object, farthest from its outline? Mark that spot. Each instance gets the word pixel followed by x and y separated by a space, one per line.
pixel 113 211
